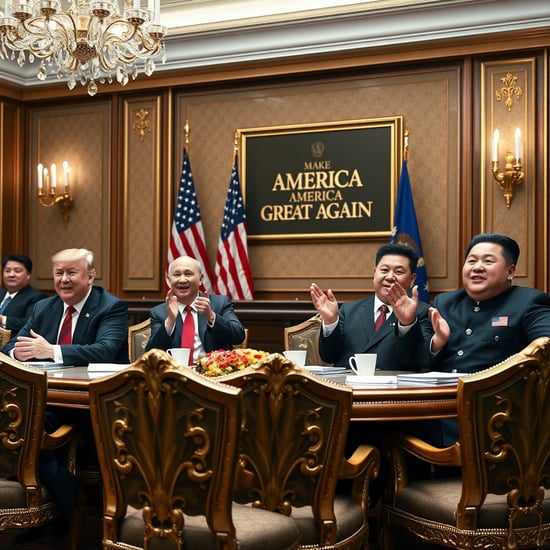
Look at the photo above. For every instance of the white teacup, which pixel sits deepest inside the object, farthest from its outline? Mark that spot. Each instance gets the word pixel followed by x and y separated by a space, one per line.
pixel 181 355
pixel 297 356
pixel 363 364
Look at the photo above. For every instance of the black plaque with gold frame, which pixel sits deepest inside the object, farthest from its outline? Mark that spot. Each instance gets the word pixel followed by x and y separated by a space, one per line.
pixel 321 181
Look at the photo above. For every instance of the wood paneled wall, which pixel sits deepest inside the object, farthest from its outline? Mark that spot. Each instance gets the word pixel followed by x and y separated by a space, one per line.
pixel 126 149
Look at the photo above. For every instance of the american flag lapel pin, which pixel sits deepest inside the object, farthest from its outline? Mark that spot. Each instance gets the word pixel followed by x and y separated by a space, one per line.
pixel 500 321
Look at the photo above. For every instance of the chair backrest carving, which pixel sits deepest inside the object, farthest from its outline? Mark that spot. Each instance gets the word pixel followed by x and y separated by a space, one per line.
pixel 22 409
pixel 138 336
pixel 305 335
pixel 293 440
pixel 504 417
pixel 167 441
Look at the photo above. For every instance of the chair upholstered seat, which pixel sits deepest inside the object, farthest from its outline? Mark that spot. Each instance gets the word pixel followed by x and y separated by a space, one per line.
pixel 256 530
pixel 350 524
pixel 501 498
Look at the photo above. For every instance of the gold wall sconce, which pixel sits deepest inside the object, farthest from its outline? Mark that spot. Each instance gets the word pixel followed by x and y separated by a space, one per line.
pixel 47 189
pixel 512 174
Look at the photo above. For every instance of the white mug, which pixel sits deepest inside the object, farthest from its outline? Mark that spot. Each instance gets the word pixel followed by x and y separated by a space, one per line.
pixel 181 355
pixel 297 356
pixel 363 364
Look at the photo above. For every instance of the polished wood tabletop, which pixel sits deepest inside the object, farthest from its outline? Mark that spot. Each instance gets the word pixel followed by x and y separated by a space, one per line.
pixel 68 387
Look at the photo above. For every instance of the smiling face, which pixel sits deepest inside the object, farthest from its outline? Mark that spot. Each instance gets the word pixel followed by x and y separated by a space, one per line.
pixel 392 268
pixel 15 276
pixel 185 279
pixel 486 273
pixel 72 279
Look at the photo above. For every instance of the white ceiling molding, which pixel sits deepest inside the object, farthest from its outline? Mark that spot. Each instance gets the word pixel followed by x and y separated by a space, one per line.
pixel 201 33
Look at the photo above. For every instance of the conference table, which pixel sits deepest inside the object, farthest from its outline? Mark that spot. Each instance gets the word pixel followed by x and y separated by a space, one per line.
pixel 68 388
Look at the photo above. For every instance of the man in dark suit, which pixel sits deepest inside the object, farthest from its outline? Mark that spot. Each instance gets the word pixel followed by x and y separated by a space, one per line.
pixel 82 323
pixel 215 324
pixel 350 329
pixel 487 320
pixel 99 322
pixel 17 297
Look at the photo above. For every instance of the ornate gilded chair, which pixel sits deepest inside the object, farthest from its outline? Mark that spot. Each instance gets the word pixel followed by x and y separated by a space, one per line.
pixel 5 335
pixel 24 501
pixel 244 343
pixel 305 335
pixel 499 502
pixel 138 336
pixel 293 453
pixel 167 442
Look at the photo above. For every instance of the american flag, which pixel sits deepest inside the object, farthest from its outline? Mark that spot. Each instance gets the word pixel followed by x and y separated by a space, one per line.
pixel 233 276
pixel 187 238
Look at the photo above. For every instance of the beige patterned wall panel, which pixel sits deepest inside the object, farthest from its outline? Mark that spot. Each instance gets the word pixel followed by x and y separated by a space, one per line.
pixel 141 194
pixel 81 136
pixel 429 103
pixel 513 80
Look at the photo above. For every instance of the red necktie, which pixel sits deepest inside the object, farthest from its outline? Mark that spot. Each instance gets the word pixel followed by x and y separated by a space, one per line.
pixel 65 334
pixel 381 317
pixel 188 333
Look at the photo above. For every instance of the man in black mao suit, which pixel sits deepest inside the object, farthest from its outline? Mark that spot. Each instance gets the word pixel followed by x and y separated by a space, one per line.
pixel 97 331
pixel 216 324
pixel 21 296
pixel 349 329
pixel 487 320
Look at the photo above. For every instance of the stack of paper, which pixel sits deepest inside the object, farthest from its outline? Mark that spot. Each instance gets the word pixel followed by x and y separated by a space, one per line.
pixel 98 370
pixel 326 371
pixel 357 381
pixel 431 378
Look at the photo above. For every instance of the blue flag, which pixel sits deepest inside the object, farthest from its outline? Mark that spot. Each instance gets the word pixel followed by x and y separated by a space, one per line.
pixel 405 230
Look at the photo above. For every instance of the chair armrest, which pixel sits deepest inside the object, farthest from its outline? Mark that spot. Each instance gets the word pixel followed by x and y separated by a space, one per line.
pixel 442 456
pixel 55 440
pixel 361 467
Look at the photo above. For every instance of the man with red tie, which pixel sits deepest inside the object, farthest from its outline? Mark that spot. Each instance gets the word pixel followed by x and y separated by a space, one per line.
pixel 387 323
pixel 81 324
pixel 192 319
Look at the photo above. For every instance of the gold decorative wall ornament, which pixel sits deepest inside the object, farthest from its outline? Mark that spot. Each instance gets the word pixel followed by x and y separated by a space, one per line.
pixel 89 42
pixel 508 90
pixel 142 125
pixel 512 174
pixel 47 189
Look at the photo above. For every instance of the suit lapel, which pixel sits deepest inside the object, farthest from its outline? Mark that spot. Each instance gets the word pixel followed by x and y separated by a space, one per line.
pixel 84 317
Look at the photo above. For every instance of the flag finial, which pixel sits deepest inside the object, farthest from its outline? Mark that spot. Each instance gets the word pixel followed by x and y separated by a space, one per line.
pixel 406 145
pixel 187 131
pixel 236 144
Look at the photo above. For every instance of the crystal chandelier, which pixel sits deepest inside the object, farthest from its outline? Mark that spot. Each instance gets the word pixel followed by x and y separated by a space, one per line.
pixel 90 42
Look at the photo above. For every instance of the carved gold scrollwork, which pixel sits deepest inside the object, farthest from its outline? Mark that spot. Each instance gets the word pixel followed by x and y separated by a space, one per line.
pixel 141 126
pixel 10 434
pixel 508 90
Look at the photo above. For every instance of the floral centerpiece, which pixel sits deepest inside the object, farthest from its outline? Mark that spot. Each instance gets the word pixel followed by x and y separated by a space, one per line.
pixel 220 362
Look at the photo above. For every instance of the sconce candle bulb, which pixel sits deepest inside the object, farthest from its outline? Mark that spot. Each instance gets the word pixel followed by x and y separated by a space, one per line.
pixel 46 184
pixel 512 174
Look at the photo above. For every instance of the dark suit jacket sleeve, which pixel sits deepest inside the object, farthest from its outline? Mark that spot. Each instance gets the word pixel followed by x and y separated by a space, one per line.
pixel 20 308
pixel 227 330
pixel 159 337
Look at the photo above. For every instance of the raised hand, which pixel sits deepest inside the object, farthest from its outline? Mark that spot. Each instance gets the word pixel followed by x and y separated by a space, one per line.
pixel 325 304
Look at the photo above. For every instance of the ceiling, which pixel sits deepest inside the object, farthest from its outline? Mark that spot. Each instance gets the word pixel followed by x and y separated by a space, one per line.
pixel 212 32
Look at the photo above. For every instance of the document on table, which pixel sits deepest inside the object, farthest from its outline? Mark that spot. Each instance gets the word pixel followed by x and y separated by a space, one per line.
pixel 46 365
pixel 432 378
pixel 98 370
pixel 356 381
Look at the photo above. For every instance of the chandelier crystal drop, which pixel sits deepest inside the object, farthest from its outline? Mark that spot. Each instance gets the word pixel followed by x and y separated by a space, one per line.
pixel 92 41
